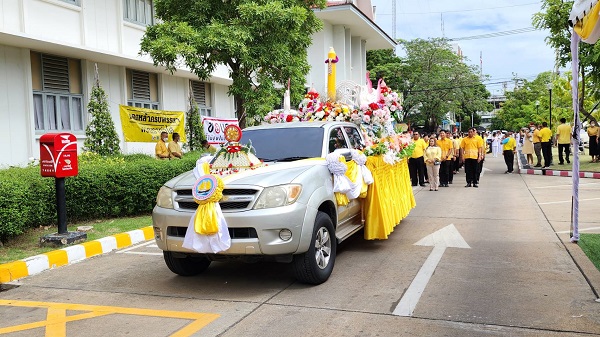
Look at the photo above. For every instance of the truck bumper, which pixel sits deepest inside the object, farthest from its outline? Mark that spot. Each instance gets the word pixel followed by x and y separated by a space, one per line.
pixel 253 232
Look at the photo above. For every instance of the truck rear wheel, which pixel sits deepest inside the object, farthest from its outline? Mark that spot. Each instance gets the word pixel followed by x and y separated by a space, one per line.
pixel 186 266
pixel 316 265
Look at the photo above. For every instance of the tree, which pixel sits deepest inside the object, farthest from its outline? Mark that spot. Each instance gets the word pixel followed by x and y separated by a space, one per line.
pixel 433 79
pixel 261 42
pixel 555 18
pixel 101 137
pixel 193 126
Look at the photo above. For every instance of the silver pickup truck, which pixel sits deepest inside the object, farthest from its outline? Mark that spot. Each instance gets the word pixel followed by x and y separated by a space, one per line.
pixel 265 219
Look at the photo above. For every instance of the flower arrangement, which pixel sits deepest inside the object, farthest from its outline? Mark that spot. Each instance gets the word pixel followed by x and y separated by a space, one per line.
pixel 393 148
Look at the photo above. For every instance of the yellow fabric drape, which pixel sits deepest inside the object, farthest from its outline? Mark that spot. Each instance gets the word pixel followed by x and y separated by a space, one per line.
pixel 389 198
pixel 354 173
pixel 586 26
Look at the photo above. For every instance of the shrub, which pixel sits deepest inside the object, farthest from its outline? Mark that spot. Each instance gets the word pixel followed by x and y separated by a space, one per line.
pixel 105 187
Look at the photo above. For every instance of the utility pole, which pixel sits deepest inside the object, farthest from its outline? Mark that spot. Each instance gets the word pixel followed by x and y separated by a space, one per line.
pixel 394 19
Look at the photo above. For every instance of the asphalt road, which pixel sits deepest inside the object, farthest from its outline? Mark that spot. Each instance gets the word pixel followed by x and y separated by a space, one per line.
pixel 492 261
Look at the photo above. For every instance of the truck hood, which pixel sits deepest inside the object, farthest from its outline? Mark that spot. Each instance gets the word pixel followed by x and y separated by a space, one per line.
pixel 271 175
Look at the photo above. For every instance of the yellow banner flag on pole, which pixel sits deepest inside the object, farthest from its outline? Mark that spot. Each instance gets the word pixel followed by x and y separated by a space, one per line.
pixel 146 125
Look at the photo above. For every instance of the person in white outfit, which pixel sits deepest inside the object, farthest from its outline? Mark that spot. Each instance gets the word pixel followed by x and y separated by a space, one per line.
pixel 496 146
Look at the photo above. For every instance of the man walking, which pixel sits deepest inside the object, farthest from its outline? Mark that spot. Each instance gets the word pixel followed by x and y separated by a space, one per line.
pixel 563 138
pixel 537 144
pixel 447 149
pixel 546 140
pixel 509 146
pixel 416 163
pixel 470 150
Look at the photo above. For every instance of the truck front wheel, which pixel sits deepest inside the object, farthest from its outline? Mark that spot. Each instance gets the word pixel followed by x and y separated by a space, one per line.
pixel 315 266
pixel 186 266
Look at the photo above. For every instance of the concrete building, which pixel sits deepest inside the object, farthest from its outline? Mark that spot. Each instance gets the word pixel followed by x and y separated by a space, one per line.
pixel 49 48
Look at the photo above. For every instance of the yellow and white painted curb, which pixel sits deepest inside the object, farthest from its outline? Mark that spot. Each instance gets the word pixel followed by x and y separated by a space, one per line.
pixel 64 256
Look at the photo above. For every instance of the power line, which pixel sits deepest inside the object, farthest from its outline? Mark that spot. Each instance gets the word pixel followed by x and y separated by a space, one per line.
pixel 496 34
pixel 464 10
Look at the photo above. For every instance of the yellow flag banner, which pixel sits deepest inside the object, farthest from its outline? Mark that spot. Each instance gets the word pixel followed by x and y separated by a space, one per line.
pixel 146 125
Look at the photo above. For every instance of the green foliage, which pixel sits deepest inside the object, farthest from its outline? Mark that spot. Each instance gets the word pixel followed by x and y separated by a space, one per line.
pixel 193 127
pixel 433 79
pixel 105 187
pixel 261 42
pixel 100 132
pixel 529 102
pixel 554 17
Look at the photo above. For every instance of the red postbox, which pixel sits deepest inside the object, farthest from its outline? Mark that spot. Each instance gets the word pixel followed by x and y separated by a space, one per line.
pixel 58 155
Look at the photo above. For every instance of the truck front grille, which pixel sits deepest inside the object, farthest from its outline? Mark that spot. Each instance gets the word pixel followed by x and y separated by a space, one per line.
pixel 234 199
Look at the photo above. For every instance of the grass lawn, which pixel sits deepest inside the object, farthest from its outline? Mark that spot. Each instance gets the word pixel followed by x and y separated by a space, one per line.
pixel 27 244
pixel 590 244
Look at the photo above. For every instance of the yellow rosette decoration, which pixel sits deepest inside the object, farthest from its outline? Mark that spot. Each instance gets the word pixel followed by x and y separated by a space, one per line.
pixel 206 219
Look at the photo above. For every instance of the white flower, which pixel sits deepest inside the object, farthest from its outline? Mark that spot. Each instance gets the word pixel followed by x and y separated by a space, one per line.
pixel 366 118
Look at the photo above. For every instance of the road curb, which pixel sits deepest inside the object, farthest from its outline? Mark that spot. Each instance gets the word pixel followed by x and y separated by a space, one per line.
pixel 587 268
pixel 549 172
pixel 559 173
pixel 36 264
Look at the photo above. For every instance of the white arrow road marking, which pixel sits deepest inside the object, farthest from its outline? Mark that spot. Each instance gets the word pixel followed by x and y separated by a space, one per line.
pixel 440 240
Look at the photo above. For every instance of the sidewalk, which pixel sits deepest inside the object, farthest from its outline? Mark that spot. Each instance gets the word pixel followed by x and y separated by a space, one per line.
pixel 12 271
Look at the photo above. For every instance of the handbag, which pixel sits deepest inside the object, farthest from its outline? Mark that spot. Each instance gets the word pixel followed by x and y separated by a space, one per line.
pixel 436 162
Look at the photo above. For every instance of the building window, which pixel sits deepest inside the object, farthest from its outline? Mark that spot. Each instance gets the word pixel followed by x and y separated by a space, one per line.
pixel 72 2
pixel 57 93
pixel 142 89
pixel 139 11
pixel 201 94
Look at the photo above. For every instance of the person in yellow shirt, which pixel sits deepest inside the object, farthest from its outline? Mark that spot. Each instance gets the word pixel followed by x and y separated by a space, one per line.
pixel 593 131
pixel 470 150
pixel 537 144
pixel 174 147
pixel 206 147
pixel 447 152
pixel 416 163
pixel 456 143
pixel 160 150
pixel 482 152
pixel 546 140
pixel 509 147
pixel 563 138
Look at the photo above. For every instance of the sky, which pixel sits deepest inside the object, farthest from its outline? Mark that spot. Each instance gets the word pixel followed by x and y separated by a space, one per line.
pixel 525 54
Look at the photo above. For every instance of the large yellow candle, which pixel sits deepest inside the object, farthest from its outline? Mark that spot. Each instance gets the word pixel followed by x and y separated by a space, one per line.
pixel 332 59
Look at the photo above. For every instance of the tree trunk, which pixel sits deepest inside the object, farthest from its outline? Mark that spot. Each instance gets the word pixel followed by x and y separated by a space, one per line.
pixel 240 112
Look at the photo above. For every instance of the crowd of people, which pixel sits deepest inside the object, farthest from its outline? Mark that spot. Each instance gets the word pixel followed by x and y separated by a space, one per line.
pixel 438 156
pixel 441 155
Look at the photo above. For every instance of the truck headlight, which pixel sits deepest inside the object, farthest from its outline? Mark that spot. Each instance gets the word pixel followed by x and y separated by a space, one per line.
pixel 164 198
pixel 278 196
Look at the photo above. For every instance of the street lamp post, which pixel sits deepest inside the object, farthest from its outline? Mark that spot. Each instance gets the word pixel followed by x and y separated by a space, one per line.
pixel 550 103
pixel 472 114
pixel 537 108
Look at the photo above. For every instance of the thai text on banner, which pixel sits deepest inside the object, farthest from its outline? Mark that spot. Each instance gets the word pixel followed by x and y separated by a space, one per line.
pixel 146 125
pixel 213 128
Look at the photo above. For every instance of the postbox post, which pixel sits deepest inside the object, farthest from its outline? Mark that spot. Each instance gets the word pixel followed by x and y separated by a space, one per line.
pixel 61 205
pixel 58 159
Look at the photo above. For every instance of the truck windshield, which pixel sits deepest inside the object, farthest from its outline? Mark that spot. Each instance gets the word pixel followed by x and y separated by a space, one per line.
pixel 285 144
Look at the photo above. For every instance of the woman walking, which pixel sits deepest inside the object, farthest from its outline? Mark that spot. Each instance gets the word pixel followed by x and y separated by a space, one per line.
pixel 593 131
pixel 528 146
pixel 433 159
